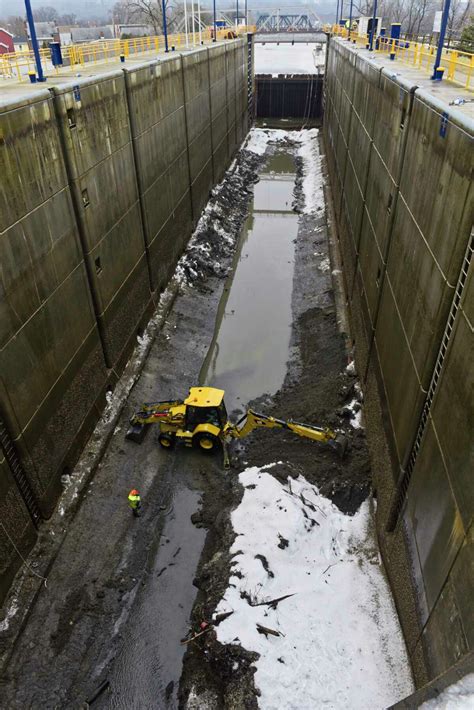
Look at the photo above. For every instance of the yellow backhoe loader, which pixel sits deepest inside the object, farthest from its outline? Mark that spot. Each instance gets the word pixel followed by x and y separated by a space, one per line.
pixel 201 421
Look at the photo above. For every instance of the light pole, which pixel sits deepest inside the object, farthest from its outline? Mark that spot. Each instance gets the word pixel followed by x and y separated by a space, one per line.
pixel 246 18
pixel 372 30
pixel 165 31
pixel 215 22
pixel 199 21
pixel 34 41
pixel 442 33
pixel 237 18
pixel 350 23
pixel 186 22
pixel 337 13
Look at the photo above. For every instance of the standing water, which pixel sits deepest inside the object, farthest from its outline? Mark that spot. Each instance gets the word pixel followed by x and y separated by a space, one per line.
pixel 250 348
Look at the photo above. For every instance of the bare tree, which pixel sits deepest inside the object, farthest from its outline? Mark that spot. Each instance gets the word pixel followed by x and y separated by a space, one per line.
pixel 458 16
pixel 16 25
pixel 45 14
pixel 411 14
pixel 149 12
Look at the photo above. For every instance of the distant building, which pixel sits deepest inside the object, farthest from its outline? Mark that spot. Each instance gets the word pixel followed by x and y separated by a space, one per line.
pixel 20 43
pixel 46 32
pixel 91 34
pixel 136 30
pixel 6 41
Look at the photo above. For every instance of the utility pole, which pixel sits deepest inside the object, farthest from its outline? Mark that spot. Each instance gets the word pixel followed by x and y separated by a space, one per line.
pixel 246 17
pixel 337 13
pixel 34 41
pixel 237 18
pixel 215 22
pixel 442 34
pixel 193 23
pixel 165 31
pixel 350 22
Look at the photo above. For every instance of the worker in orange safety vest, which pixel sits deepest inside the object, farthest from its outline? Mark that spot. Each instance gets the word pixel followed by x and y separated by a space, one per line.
pixel 134 502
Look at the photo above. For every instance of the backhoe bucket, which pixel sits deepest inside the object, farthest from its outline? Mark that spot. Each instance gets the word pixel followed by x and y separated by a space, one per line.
pixel 340 445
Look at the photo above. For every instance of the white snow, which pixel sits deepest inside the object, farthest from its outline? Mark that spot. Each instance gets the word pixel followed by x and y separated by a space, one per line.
pixel 341 646
pixel 285 58
pixel 313 180
pixel 259 138
pixel 356 413
pixel 11 611
pixel 459 696
pixel 324 265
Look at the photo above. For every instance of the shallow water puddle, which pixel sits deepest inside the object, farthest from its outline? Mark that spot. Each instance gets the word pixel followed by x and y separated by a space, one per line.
pixel 250 347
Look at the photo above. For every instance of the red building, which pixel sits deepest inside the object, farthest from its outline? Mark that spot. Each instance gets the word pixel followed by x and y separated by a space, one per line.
pixel 6 41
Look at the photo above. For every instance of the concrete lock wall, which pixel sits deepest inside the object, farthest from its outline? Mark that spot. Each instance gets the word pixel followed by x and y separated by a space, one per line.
pixel 399 166
pixel 103 180
pixel 52 367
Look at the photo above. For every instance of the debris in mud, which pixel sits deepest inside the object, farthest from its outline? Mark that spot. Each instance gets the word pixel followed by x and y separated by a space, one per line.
pixel 212 244
pixel 342 623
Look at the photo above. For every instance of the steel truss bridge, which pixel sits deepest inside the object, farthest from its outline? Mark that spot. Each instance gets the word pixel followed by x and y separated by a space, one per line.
pixel 276 21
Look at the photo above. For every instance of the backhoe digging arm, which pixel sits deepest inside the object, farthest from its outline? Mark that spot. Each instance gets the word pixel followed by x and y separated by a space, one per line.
pixel 253 420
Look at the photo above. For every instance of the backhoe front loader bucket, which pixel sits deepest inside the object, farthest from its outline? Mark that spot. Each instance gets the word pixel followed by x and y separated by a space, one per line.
pixel 137 432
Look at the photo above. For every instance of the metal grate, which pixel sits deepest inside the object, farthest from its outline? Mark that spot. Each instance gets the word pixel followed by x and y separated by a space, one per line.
pixel 11 455
pixel 402 488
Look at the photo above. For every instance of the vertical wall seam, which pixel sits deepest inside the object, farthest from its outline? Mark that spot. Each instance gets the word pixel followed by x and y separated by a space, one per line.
pixel 80 228
pixel 390 226
pixel 131 127
pixel 187 139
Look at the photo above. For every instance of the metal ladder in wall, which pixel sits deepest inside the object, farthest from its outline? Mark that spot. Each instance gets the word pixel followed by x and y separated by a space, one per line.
pixel 402 488
pixel 250 79
pixel 18 473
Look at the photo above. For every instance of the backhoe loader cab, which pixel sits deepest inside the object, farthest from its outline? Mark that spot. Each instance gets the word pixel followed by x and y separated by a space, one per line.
pixel 199 420
pixel 205 405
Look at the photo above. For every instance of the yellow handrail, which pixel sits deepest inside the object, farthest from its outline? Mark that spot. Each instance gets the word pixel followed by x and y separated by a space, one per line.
pixel 16 65
pixel 460 65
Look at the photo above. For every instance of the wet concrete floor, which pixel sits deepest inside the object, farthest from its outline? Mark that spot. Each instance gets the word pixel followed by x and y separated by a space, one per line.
pixel 250 348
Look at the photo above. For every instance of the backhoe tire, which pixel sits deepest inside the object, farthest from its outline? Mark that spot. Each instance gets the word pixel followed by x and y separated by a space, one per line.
pixel 206 442
pixel 166 441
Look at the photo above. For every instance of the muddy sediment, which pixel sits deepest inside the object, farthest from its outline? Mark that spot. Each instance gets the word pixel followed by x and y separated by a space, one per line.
pixel 317 389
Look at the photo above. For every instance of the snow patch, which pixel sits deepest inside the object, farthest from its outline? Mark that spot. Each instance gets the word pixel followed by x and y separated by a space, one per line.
pixel 313 180
pixel 356 413
pixel 11 611
pixel 324 265
pixel 340 644
pixel 259 138
pixel 459 696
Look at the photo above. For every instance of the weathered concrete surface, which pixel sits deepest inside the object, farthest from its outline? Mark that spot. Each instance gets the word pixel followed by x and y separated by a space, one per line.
pixel 51 361
pixel 93 118
pixel 158 121
pixel 16 527
pixel 399 162
pixel 102 180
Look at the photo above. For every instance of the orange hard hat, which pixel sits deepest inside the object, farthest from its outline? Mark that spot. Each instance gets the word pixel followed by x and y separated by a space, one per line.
pixel 133 492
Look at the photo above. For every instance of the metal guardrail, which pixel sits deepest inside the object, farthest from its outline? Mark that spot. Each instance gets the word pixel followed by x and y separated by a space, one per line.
pixel 17 65
pixel 458 66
